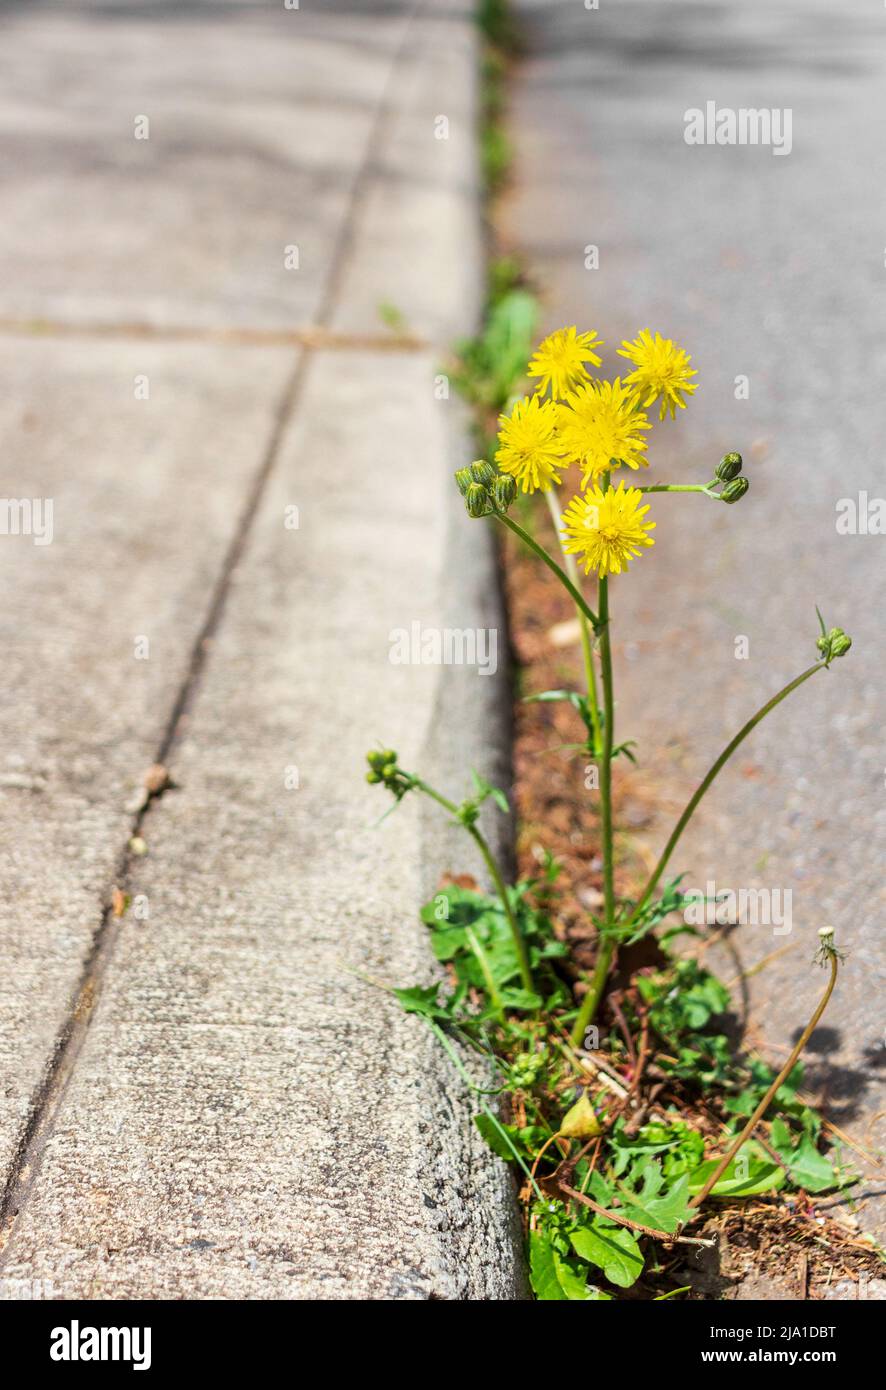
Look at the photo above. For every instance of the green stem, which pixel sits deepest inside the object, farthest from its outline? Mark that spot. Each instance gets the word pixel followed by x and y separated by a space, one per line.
pixel 486 972
pixel 708 779
pixel 591 1001
pixel 495 874
pixel 516 934
pixel 706 488
pixel 761 1109
pixel 539 550
pixel 555 509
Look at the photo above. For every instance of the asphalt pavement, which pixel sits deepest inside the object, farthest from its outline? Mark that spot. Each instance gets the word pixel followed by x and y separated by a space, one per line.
pixel 766 262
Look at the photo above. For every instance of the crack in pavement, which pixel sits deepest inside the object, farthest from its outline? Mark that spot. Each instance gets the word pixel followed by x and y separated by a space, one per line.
pixel 315 337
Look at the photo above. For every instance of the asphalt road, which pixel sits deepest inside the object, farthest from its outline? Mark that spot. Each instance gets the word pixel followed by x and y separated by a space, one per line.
pixel 771 267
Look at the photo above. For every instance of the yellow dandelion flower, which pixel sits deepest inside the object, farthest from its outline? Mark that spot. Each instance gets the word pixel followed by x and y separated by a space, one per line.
pixel 600 422
pixel 530 449
pixel 560 360
pixel 606 529
pixel 662 369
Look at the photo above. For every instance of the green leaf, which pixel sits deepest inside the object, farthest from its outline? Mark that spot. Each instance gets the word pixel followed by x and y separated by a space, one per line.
pixel 809 1169
pixel 526 1141
pixel 664 1211
pixel 500 799
pixel 741 1179
pixel 494 1138
pixel 572 697
pixel 613 1248
pixel 421 1000
pixel 625 748
pixel 521 999
pixel 552 1277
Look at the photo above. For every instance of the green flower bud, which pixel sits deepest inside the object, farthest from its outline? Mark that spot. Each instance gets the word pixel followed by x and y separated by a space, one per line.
pixel 376 759
pixel 373 777
pixel 729 467
pixel 389 771
pixel 483 473
pixel 835 643
pixel 735 490
pixel 388 755
pixel 504 491
pixel 463 480
pixel 477 500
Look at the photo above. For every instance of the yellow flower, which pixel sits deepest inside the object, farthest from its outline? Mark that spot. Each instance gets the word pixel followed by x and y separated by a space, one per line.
pixel 606 529
pixel 662 369
pixel 530 450
pixel 600 422
pixel 560 359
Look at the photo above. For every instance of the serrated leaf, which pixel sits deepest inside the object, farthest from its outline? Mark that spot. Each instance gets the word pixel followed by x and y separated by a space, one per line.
pixel 613 1249
pixel 664 1212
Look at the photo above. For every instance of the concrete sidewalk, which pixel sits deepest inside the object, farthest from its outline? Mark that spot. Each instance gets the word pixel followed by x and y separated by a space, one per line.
pixel 766 267
pixel 201 1099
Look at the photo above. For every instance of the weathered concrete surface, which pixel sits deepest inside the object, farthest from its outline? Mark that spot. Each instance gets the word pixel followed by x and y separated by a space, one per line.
pixel 247 1118
pixel 147 496
pixel 206 1102
pixel 768 266
pixel 263 112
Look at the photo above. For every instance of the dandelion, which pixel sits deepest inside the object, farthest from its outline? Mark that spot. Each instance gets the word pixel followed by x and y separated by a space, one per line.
pixel 530 450
pixel 606 529
pixel 559 361
pixel 599 423
pixel 662 370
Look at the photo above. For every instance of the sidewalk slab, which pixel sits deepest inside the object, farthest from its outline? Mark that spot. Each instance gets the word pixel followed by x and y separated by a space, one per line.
pixel 146 498
pixel 249 1118
pixel 258 124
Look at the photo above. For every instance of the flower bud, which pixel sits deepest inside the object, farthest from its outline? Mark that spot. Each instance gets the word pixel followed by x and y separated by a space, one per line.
pixel 483 473
pixel 728 468
pixel 477 500
pixel 735 490
pixel 463 480
pixel 389 771
pixel 373 777
pixel 388 755
pixel 504 491
pixel 833 644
